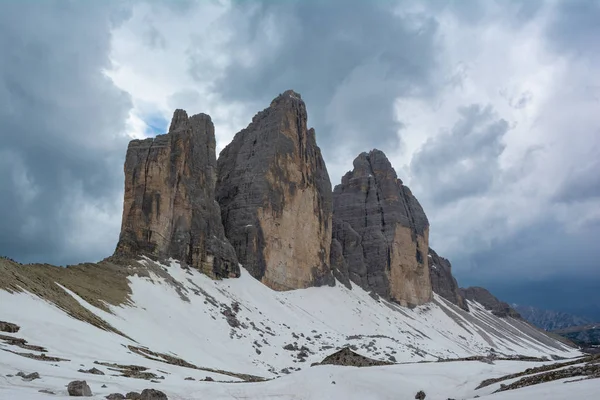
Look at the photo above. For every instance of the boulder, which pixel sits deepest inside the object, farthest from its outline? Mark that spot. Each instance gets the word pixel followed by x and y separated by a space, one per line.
pixel 79 389
pixel 133 396
pixel 169 208
pixel 275 198
pixel 9 327
pixel 442 280
pixel 115 396
pixel 153 394
pixel 383 231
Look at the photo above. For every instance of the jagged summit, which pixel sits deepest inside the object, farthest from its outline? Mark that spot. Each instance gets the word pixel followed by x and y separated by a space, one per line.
pixel 181 120
pixel 169 208
pixel 275 197
pixel 383 231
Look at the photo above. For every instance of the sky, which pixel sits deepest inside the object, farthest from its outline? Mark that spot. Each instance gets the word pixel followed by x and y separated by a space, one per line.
pixel 488 110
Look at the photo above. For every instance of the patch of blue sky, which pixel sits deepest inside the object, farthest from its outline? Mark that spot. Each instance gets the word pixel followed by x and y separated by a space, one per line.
pixel 155 125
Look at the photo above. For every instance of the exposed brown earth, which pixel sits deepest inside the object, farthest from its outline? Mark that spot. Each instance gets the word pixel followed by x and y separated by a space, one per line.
pixel 151 355
pixel 22 343
pixel 40 357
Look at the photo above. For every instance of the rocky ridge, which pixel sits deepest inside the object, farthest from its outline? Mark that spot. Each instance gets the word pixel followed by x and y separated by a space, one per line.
pixel 485 298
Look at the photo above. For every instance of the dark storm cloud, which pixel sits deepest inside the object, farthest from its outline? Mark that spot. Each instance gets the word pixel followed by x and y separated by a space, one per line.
pixel 542 265
pixel 348 59
pixel 462 162
pixel 62 124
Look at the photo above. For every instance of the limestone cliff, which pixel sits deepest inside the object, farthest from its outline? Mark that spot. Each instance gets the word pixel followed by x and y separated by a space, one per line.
pixel 442 281
pixel 169 208
pixel 275 198
pixel 383 231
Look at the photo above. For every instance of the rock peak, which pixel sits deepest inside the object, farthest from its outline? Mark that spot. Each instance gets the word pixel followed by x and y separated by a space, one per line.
pixel 169 208
pixel 382 230
pixel 181 120
pixel 275 197
pixel 285 98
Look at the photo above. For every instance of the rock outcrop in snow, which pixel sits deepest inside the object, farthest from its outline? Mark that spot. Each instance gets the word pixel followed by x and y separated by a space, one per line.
pixel 275 198
pixel 383 231
pixel 485 298
pixel 169 208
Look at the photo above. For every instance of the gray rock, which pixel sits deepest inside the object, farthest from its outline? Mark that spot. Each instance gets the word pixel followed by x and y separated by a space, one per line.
pixel 46 391
pixel 133 396
pixel 383 231
pixel 115 396
pixel 346 357
pixel 486 299
pixel 79 389
pixel 29 377
pixel 94 371
pixel 338 264
pixel 9 327
pixel 153 394
pixel 275 198
pixel 420 395
pixel 442 281
pixel 169 208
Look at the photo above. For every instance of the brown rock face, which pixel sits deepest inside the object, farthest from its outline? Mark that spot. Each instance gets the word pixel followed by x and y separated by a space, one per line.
pixel 275 198
pixel 169 208
pixel 383 231
pixel 442 281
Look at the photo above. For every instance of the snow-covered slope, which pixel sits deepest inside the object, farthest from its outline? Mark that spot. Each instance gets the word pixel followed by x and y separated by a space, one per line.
pixel 225 329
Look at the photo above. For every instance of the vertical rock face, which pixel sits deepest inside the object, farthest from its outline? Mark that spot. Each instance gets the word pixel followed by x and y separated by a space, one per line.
pixel 169 208
pixel 442 281
pixel 489 301
pixel 275 198
pixel 383 231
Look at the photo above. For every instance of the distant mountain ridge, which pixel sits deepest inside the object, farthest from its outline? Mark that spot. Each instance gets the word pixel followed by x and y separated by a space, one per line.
pixel 549 320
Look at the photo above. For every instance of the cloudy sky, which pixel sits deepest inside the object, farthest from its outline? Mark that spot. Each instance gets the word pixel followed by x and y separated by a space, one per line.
pixel 489 110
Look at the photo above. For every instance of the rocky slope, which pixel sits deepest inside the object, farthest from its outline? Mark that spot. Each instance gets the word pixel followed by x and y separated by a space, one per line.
pixel 586 336
pixel 442 281
pixel 171 328
pixel 275 198
pixel 484 297
pixel 382 231
pixel 169 208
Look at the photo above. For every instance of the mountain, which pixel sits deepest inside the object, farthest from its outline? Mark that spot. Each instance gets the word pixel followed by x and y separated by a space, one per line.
pixel 275 197
pixel 550 320
pixel 586 336
pixel 249 268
